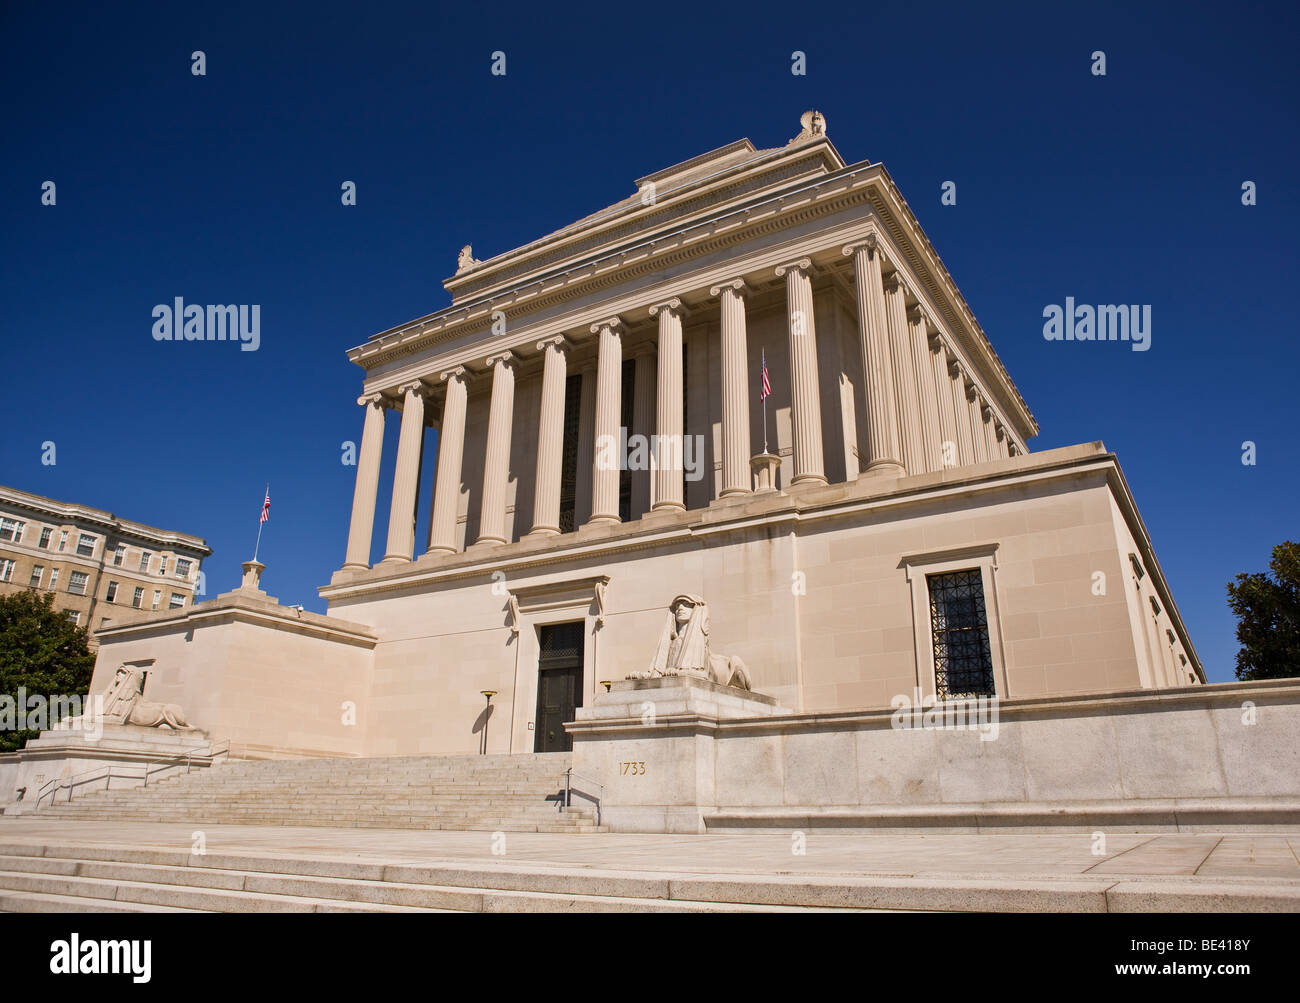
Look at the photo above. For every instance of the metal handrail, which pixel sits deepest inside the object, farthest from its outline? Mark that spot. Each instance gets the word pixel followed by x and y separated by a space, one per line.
pixel 569 791
pixel 108 773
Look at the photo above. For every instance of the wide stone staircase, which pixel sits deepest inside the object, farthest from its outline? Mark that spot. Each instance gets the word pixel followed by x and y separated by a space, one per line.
pixel 519 793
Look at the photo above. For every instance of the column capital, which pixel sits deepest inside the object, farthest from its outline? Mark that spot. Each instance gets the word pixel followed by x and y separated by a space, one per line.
pixel 1001 431
pixel 986 409
pixel 506 356
pixel 894 282
pixel 869 243
pixel 456 372
pixel 614 324
pixel 412 387
pixel 736 286
pixel 915 315
pixel 558 341
pixel 670 306
pixel 375 398
pixel 803 265
pixel 936 341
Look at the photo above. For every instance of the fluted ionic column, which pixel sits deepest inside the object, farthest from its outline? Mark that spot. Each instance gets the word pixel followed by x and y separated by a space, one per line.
pixel 735 390
pixel 496 461
pixel 451 447
pixel 406 478
pixel 905 392
pixel 362 526
pixel 643 423
pixel 961 413
pixel 949 447
pixel 884 454
pixel 609 396
pixel 669 455
pixel 805 404
pixel 990 429
pixel 550 437
pixel 973 416
pixel 927 396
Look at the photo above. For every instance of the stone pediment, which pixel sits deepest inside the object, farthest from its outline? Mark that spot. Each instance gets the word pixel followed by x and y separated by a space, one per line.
pixel 661 200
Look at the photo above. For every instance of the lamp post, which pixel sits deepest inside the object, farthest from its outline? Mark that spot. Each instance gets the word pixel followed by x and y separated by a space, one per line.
pixel 487 716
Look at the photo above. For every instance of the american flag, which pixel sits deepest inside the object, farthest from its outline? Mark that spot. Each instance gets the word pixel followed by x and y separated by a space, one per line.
pixel 266 507
pixel 767 383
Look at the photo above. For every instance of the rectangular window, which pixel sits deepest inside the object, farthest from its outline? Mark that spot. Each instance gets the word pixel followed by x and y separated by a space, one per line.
pixel 6 570
pixel 138 597
pixel 119 555
pixel 74 616
pixel 157 598
pixel 11 529
pixel 569 452
pixel 963 663
pixel 111 593
pixel 162 565
pixel 54 578
pixel 144 560
pixel 38 573
pixel 177 601
pixel 77 583
pixel 46 533
pixel 86 545
pixel 63 538
pixel 182 568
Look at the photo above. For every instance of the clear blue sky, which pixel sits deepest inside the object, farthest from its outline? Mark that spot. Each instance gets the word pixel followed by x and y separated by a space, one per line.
pixel 225 189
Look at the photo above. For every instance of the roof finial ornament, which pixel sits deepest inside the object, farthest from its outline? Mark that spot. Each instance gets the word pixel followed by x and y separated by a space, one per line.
pixel 814 125
pixel 466 259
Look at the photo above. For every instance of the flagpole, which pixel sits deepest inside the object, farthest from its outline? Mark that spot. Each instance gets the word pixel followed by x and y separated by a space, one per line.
pixel 261 522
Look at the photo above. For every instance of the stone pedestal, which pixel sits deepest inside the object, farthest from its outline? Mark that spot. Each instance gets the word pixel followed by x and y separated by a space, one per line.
pixel 764 466
pixel 649 743
pixel 252 576
pixel 65 753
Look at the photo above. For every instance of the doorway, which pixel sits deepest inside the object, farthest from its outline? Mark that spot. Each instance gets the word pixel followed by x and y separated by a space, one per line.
pixel 559 684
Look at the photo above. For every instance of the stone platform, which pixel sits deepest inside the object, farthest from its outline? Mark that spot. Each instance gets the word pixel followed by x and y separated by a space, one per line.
pixel 66 866
pixel 63 753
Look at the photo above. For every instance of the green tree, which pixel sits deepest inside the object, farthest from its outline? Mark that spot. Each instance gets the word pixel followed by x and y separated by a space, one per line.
pixel 43 652
pixel 1268 617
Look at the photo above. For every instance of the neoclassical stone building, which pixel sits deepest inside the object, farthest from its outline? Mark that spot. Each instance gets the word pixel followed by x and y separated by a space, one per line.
pixel 877 526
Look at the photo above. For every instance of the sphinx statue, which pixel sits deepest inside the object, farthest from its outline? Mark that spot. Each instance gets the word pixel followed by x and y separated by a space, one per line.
pixel 683 647
pixel 124 704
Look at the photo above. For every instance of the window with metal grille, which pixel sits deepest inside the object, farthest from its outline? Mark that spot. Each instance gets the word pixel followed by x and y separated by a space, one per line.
pixel 560 644
pixel 77 583
pixel 963 663
pixel 86 545
pixel 569 452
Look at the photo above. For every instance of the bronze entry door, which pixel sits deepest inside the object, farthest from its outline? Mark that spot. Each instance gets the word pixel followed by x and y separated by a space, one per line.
pixel 559 684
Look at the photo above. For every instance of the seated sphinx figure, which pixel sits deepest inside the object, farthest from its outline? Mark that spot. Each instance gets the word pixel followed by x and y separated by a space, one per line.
pixel 684 647
pixel 124 704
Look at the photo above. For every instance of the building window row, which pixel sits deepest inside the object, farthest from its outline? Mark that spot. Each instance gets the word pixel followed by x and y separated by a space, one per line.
pixel 12 530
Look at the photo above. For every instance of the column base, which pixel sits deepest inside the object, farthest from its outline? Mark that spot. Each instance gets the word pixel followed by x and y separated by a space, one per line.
pixel 396 559
pixel 355 567
pixel 667 507
pixel 810 480
pixel 603 520
pixel 540 531
pixel 439 551
pixel 884 468
pixel 730 492
pixel 490 541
